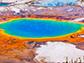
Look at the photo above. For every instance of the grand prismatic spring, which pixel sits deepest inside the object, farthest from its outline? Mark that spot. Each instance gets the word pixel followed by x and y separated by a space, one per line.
pixel 15 31
pixel 41 31
pixel 36 28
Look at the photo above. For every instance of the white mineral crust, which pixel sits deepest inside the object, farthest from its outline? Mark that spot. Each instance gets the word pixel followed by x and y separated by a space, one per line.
pixel 58 51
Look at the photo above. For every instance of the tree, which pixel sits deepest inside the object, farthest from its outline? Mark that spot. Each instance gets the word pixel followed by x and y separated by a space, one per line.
pixel 82 0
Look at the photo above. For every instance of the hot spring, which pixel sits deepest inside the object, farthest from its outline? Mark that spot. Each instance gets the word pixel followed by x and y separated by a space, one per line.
pixel 55 2
pixel 37 28
pixel 4 4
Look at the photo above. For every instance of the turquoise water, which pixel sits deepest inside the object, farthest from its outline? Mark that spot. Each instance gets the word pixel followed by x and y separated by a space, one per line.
pixel 4 4
pixel 34 28
pixel 55 2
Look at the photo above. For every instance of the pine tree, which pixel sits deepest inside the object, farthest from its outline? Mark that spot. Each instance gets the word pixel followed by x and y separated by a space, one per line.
pixel 82 0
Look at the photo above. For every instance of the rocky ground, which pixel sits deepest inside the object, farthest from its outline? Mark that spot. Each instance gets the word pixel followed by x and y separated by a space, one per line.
pixel 26 9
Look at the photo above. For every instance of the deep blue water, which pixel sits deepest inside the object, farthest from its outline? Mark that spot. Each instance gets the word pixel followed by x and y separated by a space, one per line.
pixel 34 28
pixel 55 2
pixel 4 4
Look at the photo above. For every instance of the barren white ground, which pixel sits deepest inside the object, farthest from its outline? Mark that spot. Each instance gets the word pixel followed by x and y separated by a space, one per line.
pixel 78 19
pixel 58 51
pixel 17 1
